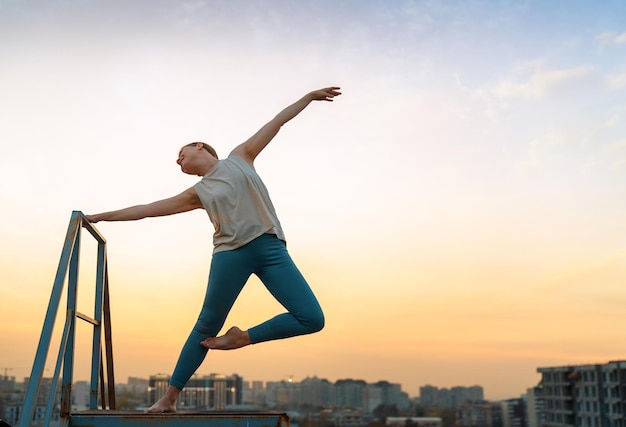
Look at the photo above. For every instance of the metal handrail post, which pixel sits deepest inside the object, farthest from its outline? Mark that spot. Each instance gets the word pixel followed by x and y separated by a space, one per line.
pixel 108 339
pixel 68 359
pixel 46 332
pixel 96 354
pixel 57 370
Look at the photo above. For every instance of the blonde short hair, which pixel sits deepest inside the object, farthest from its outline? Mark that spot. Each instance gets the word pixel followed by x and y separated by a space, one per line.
pixel 206 146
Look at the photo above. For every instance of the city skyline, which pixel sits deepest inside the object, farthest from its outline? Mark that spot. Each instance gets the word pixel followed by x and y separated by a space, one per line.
pixel 458 210
pixel 475 389
pixel 133 378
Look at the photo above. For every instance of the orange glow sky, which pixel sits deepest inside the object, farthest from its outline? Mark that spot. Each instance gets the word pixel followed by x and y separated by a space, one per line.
pixel 459 211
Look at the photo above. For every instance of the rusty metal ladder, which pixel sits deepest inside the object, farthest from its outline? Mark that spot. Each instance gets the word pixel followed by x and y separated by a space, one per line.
pixel 101 321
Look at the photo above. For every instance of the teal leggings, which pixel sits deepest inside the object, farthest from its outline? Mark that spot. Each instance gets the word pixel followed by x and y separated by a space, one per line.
pixel 267 257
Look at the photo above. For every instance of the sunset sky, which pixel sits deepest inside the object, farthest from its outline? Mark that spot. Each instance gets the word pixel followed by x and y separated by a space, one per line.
pixel 460 210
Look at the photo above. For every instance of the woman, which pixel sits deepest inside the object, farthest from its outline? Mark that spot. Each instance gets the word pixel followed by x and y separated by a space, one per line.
pixel 248 240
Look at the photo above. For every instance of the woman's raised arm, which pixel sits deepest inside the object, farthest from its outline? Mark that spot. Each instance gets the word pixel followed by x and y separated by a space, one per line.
pixel 183 202
pixel 257 142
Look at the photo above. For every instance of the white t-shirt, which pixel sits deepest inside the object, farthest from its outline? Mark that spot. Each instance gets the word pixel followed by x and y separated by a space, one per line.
pixel 238 204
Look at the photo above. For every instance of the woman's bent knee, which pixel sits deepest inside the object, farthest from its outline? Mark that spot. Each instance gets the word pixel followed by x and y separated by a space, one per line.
pixel 316 322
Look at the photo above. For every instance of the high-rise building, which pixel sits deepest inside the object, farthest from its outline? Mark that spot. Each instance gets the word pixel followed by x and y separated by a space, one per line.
pixel 282 392
pixel 514 413
pixel 433 397
pixel 157 386
pixel 534 407
pixel 253 393
pixel 373 398
pixel 7 383
pixel 207 392
pixel 316 391
pixel 13 410
pixel 80 394
pixel 386 393
pixel 350 393
pixel 466 394
pixel 429 396
pixel 584 395
pixel 479 415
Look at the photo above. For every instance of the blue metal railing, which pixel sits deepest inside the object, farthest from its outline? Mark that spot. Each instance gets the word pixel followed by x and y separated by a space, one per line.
pixel 68 268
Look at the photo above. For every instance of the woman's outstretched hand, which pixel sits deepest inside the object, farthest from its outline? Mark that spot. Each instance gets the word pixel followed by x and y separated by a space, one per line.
pixel 91 218
pixel 326 94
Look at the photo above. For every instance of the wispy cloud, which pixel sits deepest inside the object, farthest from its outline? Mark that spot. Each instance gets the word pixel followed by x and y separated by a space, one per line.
pixel 616 154
pixel 611 38
pixel 539 150
pixel 535 81
pixel 616 81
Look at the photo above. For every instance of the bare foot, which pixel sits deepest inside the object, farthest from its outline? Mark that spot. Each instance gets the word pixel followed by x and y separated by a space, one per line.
pixel 232 339
pixel 161 407
pixel 166 404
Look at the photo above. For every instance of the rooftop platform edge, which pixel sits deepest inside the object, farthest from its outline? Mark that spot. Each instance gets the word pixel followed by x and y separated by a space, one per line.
pixel 187 418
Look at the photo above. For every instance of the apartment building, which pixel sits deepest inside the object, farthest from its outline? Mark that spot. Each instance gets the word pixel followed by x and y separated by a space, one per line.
pixel 213 391
pixel 591 395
